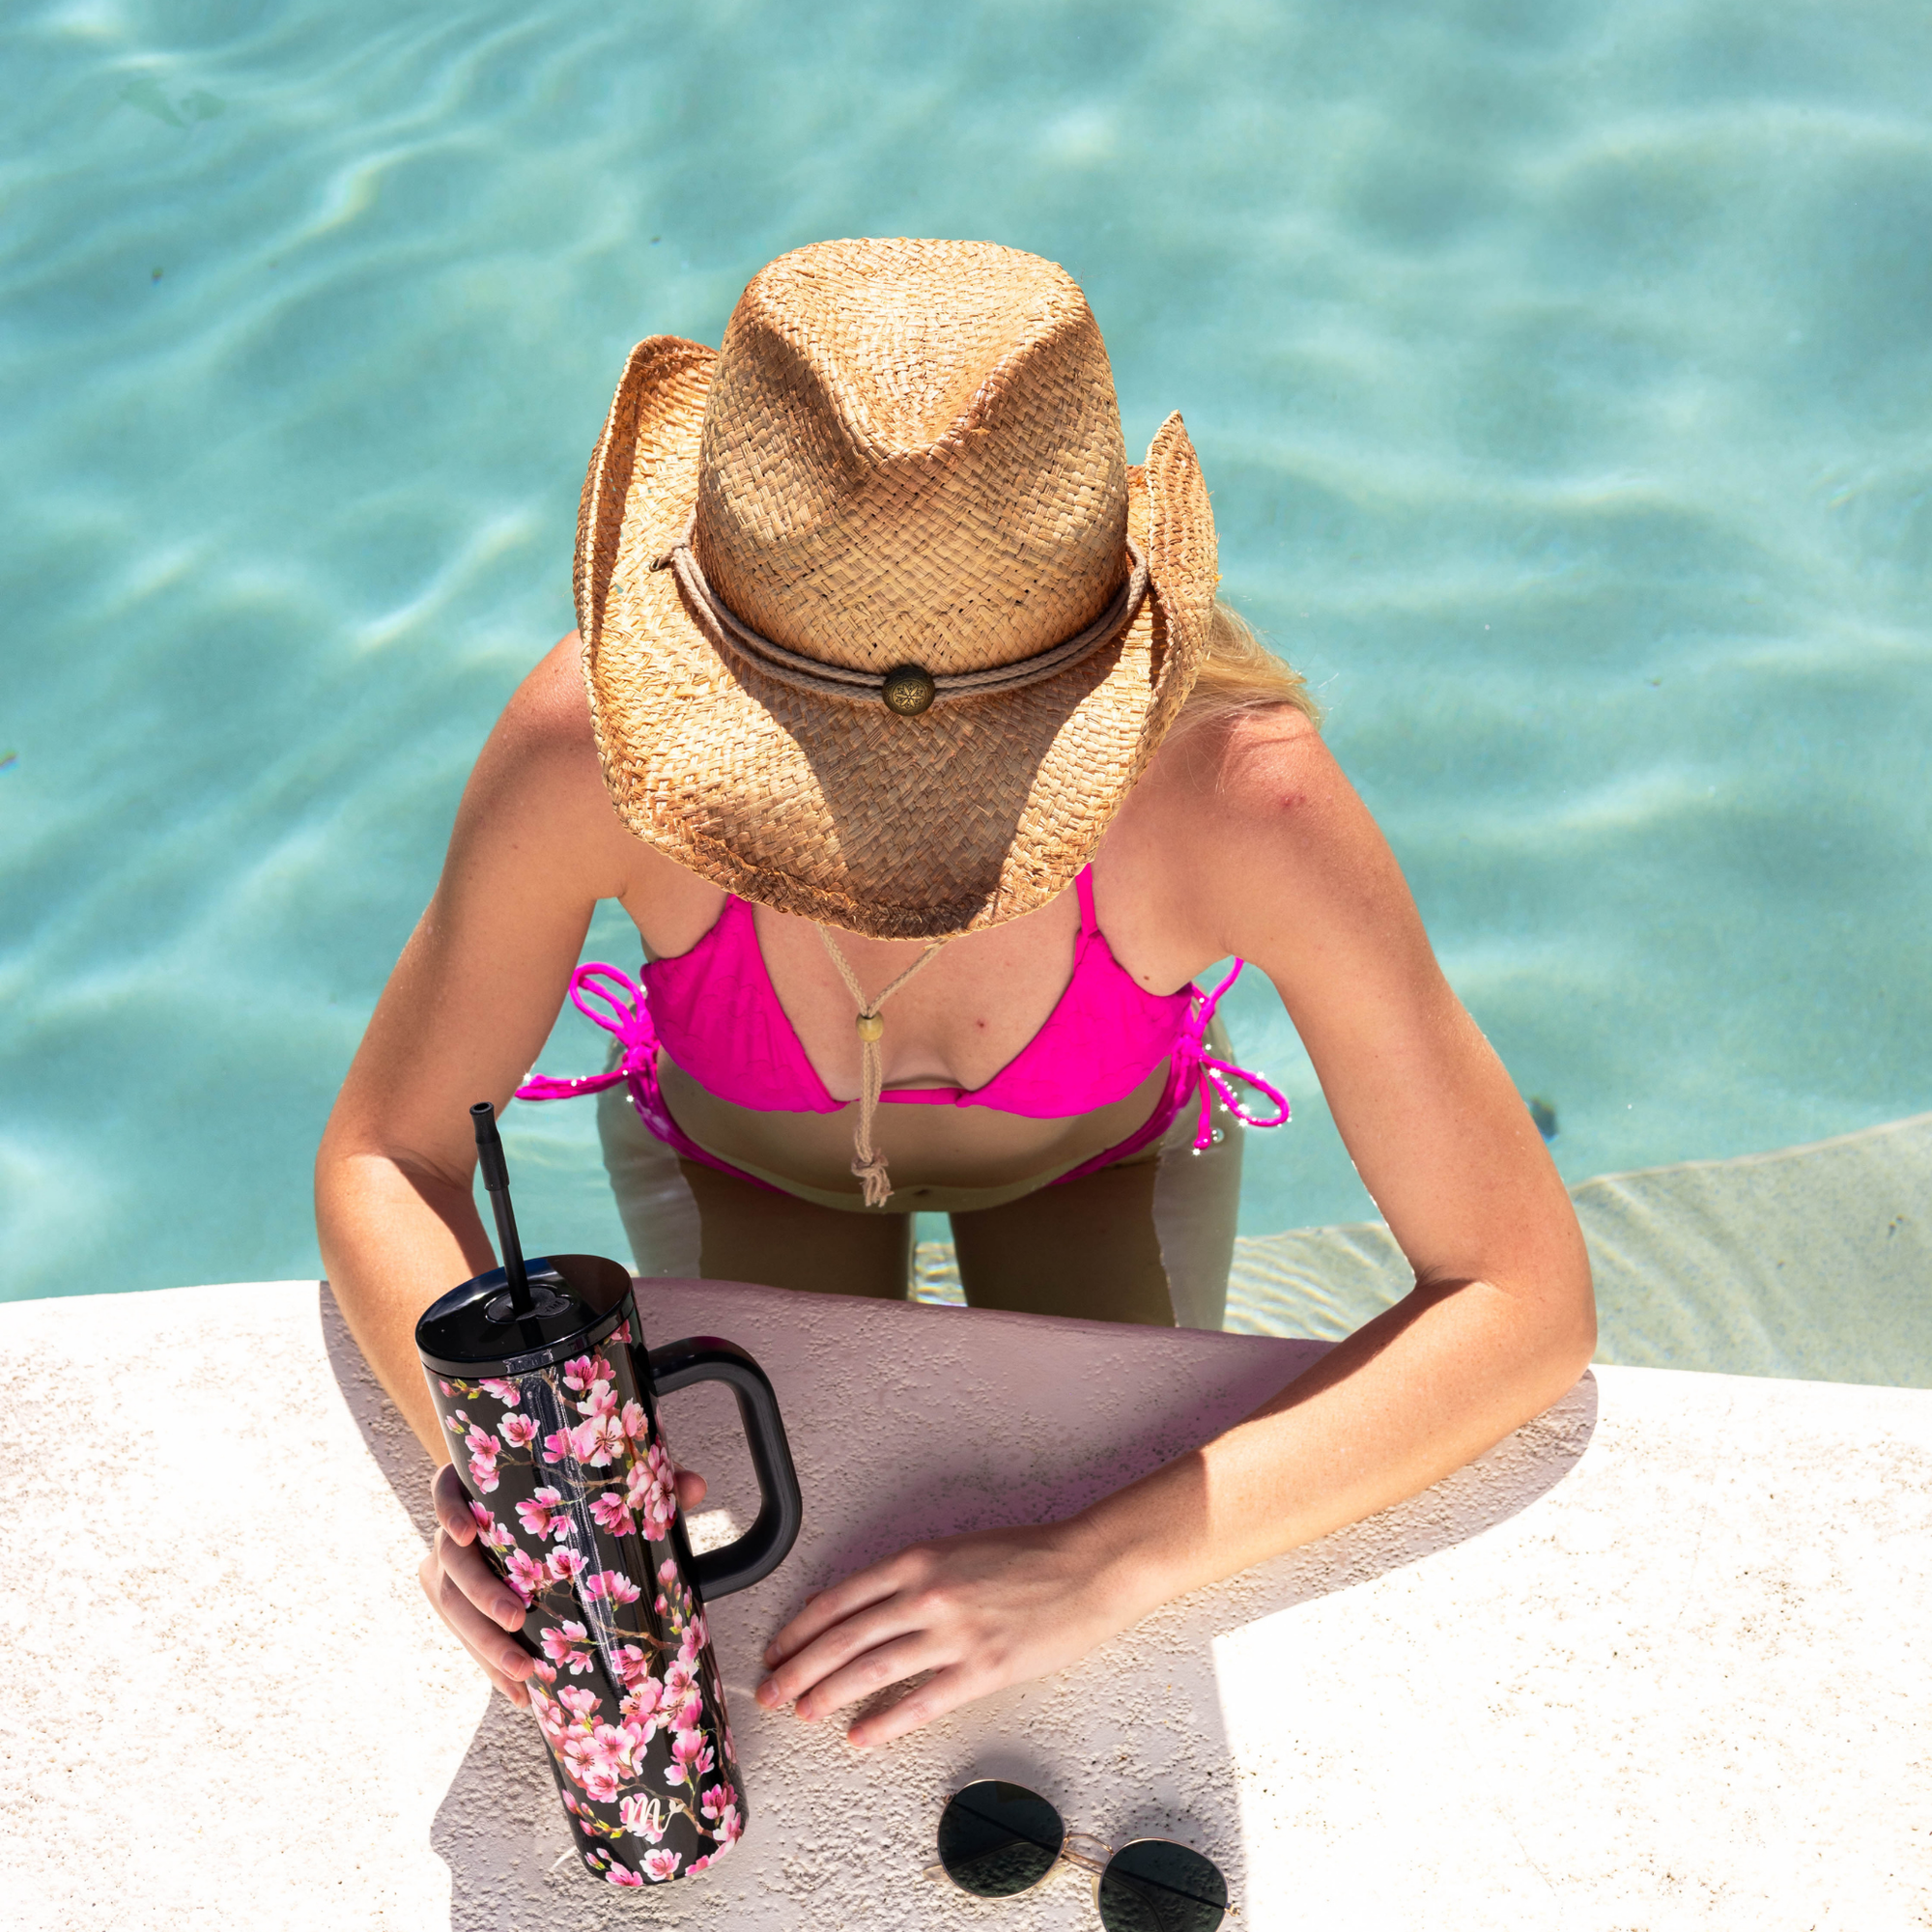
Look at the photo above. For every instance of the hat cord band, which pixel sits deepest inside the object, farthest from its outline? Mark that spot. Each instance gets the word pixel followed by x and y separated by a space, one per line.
pixel 824 680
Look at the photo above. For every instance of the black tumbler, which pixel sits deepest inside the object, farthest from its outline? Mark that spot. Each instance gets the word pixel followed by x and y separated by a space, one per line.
pixel 552 1413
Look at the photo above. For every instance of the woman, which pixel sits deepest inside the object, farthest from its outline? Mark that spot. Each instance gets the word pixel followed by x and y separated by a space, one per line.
pixel 884 645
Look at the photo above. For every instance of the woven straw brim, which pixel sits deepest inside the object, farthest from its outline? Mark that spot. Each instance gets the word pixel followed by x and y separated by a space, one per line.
pixel 975 812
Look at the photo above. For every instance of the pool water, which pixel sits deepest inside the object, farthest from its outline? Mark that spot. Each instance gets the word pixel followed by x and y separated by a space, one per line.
pixel 1561 372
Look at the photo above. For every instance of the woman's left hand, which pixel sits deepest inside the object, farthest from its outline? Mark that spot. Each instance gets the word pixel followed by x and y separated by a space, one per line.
pixel 978 1612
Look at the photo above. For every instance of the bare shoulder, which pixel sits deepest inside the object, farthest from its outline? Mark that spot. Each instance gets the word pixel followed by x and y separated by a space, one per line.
pixel 547 720
pixel 1250 769
pixel 1247 824
pixel 537 786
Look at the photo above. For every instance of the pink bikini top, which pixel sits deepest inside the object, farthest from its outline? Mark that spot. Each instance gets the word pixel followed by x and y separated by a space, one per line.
pixel 715 1012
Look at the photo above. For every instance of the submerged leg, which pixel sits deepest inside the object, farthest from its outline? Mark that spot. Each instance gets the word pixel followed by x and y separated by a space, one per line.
pixel 753 1234
pixel 1086 1248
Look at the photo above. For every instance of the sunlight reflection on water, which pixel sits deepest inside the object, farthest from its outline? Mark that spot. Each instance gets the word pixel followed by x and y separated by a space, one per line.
pixel 1561 374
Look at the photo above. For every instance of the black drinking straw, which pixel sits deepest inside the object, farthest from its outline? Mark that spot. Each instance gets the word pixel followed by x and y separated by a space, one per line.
pixel 497 1178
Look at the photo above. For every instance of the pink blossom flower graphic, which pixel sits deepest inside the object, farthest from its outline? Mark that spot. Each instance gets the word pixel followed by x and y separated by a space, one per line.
pixel 484 1449
pixel 622 1335
pixel 660 1865
pixel 565 1566
pixel 727 1825
pixel 445 1388
pixel 717 1800
pixel 598 1442
pixel 525 1578
pixel 668 1570
pixel 544 1515
pixel 498 1537
pixel 507 1392
pixel 623 1875
pixel 561 1646
pixel 544 1673
pixel 611 1584
pixel 577 1701
pixel 690 1758
pixel 483 1514
pixel 608 1513
pixel 558 1445
pixel 601 1401
pixel 636 1424
pixel 652 1492
pixel 642 1712
pixel 518 1431
pixel 584 1372
pixel 623 1744
pixel 645 1692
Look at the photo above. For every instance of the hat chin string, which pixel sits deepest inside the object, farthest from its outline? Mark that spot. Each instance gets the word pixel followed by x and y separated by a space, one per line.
pixel 867 1163
pixel 823 680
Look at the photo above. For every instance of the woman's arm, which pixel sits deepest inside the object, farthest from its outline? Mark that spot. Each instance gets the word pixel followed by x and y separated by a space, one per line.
pixel 1281 864
pixel 465 1012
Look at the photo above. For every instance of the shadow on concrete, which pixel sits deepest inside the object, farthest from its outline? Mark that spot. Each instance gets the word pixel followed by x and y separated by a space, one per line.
pixel 403 1461
pixel 882 1399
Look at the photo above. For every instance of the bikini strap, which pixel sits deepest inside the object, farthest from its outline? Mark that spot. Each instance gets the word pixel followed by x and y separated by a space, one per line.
pixel 1084 884
pixel 625 1015
pixel 1203 1011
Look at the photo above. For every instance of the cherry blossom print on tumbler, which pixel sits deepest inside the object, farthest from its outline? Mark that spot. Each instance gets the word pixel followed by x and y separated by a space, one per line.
pixel 573 1493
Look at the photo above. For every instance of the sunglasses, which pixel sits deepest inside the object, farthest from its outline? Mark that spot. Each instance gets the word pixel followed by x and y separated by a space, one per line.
pixel 996 1840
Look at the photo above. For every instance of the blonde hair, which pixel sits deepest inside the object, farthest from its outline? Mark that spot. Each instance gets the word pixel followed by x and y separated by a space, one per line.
pixel 1240 673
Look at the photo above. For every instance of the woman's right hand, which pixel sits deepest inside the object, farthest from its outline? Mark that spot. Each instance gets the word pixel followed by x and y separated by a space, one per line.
pixel 473 1600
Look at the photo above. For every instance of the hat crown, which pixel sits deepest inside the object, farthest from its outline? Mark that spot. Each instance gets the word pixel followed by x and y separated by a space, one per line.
pixel 912 453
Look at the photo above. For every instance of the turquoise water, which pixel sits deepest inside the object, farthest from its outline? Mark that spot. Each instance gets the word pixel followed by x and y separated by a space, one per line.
pixel 1562 374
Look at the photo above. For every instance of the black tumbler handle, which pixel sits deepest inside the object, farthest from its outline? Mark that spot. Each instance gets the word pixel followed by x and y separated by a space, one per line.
pixel 704 1359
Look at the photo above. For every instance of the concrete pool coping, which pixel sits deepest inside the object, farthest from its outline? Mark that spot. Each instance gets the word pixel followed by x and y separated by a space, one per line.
pixel 1656 1660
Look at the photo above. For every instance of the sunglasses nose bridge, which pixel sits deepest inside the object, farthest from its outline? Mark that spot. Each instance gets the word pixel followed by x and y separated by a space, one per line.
pixel 1089 1853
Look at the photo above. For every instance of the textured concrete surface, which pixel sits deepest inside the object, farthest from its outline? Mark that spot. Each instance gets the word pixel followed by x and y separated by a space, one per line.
pixel 1658 1660
pixel 1812 1261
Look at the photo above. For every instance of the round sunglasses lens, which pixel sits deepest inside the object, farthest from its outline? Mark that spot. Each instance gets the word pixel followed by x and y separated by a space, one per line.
pixel 996 1840
pixel 1155 1887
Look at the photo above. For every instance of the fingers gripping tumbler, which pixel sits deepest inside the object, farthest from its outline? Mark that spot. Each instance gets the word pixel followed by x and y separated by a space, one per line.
pixel 551 1408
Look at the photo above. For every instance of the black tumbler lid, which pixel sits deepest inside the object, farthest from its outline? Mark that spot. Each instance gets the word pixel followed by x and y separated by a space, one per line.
pixel 473 1326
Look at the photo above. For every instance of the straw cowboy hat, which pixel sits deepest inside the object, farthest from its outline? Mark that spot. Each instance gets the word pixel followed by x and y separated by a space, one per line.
pixel 879 625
